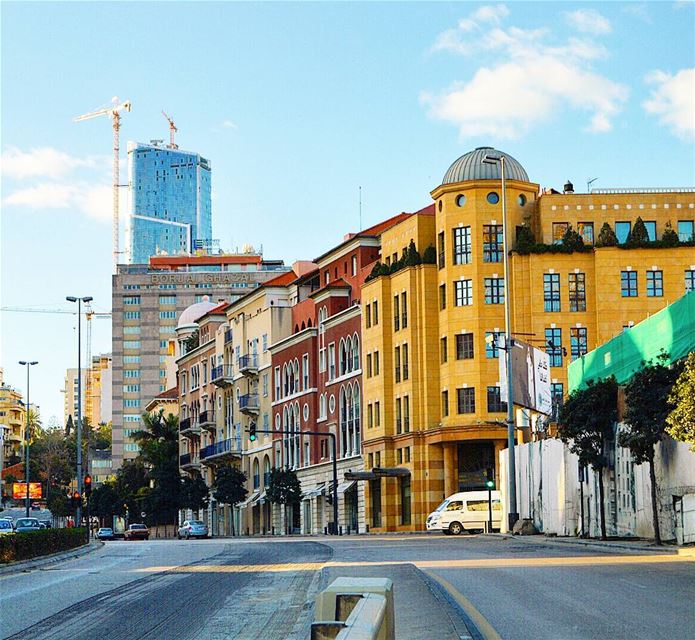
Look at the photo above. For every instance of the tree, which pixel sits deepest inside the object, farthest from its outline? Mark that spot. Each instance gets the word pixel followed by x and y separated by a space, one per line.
pixel 681 420
pixel 193 341
pixel 639 236
pixel 429 255
pixel 194 493
pixel 130 478
pixel 606 237
pixel 412 257
pixel 284 488
pixel 106 503
pixel 59 504
pixel 670 237
pixel 375 272
pixel 646 397
pixel 229 487
pixel 572 241
pixel 586 422
pixel 69 426
pixel 524 237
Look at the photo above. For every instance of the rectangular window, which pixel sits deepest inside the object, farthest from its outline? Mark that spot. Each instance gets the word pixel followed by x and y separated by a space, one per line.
pixel 464 346
pixel 397 363
pixel 368 315
pixel 167 315
pixel 493 242
pixel 686 230
pixel 465 400
pixel 578 342
pixel 442 296
pixel 650 226
pixel 406 414
pixel 377 414
pixel 396 313
pixel 404 310
pixel 131 402
pixel 622 231
pixel 277 383
pixel 265 385
pixel 131 315
pixel 370 416
pixel 131 373
pixel 163 300
pixel 462 245
pixel 556 394
pixel 577 291
pixel 131 344
pixel 131 300
pixel 443 350
pixel 655 284
pixel 445 404
pixel 553 346
pixel 331 361
pixel 131 286
pixel 463 293
pixel 491 344
pixel 399 425
pixel 586 231
pixel 265 342
pixel 494 290
pixel 305 371
pixel 628 284
pixel 322 360
pixel 494 402
pixel 559 230
pixel 551 291
pixel 131 359
pixel 376 312
pixel 405 500
pixel 354 265
pixel 369 365
pixel 689 280
pixel 376 363
pixel 131 330
pixel 326 277
pixel 440 250
pixel 404 350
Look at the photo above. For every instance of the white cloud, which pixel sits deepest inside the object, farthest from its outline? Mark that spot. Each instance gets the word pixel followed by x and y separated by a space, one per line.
pixel 228 124
pixel 45 162
pixel 96 201
pixel 532 78
pixel 673 101
pixel 588 21
pixel 639 11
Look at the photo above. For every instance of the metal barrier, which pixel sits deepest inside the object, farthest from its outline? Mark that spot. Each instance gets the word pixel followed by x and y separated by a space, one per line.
pixel 355 609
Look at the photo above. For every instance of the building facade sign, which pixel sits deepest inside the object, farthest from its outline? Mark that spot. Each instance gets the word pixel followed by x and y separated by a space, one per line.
pixel 204 278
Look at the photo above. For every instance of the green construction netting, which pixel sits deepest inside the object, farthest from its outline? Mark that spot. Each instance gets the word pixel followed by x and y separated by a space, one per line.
pixel 672 330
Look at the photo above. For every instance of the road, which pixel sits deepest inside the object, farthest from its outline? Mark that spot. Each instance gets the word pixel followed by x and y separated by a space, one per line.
pixel 257 589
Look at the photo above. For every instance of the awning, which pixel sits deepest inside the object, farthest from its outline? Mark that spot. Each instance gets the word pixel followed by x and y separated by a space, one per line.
pixel 344 486
pixel 251 499
pixel 316 491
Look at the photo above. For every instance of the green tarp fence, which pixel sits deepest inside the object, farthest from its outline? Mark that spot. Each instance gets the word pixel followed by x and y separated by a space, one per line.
pixel 671 330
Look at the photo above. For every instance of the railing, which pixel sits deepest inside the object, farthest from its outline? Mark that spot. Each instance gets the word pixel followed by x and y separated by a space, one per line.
pixel 231 445
pixel 228 336
pixel 248 402
pixel 206 417
pixel 185 424
pixel 186 459
pixel 222 371
pixel 249 361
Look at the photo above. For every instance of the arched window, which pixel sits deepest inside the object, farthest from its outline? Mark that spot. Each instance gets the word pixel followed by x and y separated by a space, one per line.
pixel 303 325
pixel 266 471
pixel 296 328
pixel 322 405
pixel 296 375
pixel 256 475
pixel 355 352
pixel 356 437
pixel 308 324
pixel 343 416
pixel 285 381
pixel 297 439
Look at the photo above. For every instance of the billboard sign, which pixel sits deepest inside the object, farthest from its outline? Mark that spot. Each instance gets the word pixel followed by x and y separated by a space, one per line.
pixel 531 377
pixel 19 491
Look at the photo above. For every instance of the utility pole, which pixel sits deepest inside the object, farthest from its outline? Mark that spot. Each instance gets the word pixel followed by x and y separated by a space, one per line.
pixel 27 440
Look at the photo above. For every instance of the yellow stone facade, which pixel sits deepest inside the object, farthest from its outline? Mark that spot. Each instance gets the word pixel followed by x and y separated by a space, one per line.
pixel 13 421
pixel 446 450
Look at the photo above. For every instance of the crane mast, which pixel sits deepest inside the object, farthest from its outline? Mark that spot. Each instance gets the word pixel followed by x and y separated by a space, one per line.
pixel 114 113
pixel 172 130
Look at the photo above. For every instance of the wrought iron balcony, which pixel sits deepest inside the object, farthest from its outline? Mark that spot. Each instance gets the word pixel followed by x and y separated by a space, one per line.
pixel 188 462
pixel 222 375
pixel 221 451
pixel 248 403
pixel 248 364
pixel 227 336
pixel 187 427
pixel 206 420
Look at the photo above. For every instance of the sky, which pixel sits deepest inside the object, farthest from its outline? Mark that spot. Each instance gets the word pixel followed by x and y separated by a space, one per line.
pixel 297 106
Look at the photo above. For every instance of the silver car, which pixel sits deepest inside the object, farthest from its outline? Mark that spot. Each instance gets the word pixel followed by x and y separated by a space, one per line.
pixel 24 525
pixel 6 527
pixel 193 529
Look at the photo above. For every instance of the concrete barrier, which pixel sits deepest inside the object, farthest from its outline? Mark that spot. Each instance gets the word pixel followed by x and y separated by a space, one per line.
pixel 355 609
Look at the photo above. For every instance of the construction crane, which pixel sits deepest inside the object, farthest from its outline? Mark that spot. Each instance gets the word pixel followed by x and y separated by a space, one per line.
pixel 172 131
pixel 114 113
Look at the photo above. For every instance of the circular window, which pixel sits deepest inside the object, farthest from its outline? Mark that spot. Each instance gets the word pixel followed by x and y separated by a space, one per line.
pixel 460 200
pixel 521 199
pixel 440 205
pixel 305 411
pixel 331 403
pixel 493 197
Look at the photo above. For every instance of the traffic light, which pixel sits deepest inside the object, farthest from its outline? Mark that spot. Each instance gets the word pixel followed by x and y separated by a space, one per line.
pixel 88 485
pixel 252 432
pixel 490 482
pixel 76 499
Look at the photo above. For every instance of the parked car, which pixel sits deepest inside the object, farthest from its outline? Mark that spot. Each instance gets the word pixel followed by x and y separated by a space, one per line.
pixel 105 533
pixel 137 532
pixel 48 523
pixel 193 529
pixel 23 525
pixel 468 511
pixel 6 527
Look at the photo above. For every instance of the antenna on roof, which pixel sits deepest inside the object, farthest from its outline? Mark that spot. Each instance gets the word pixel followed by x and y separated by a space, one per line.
pixel 360 227
pixel 589 182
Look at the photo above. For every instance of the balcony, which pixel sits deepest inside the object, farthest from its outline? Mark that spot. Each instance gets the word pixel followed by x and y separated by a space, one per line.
pixel 206 420
pixel 221 452
pixel 248 364
pixel 248 404
pixel 222 375
pixel 227 336
pixel 189 428
pixel 189 463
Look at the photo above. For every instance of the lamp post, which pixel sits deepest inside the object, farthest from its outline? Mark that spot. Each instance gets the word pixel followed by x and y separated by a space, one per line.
pixel 78 515
pixel 512 513
pixel 27 437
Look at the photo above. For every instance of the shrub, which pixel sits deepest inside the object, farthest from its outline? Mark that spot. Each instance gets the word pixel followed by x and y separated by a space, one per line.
pixel 24 546
pixel 429 256
pixel 572 241
pixel 606 237
pixel 639 236
pixel 670 237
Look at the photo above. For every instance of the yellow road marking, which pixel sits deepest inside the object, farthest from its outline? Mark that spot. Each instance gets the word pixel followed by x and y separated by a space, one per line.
pixel 484 627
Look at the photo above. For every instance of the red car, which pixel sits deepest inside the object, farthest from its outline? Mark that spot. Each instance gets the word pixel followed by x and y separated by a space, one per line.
pixel 137 532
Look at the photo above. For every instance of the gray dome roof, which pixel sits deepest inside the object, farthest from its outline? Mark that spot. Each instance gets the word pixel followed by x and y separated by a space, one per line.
pixel 190 314
pixel 470 166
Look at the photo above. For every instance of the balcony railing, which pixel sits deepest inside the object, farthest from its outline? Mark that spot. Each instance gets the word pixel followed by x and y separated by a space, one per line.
pixel 249 403
pixel 189 426
pixel 222 375
pixel 207 419
pixel 248 363
pixel 228 336
pixel 187 459
pixel 185 424
pixel 229 446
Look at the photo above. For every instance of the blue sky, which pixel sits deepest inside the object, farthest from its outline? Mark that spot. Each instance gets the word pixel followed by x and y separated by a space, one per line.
pixel 297 105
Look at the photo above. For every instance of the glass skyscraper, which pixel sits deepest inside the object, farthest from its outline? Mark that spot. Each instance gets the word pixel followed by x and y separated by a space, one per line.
pixel 171 211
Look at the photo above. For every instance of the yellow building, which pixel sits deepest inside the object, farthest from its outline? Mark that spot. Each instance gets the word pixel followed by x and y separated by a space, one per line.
pixel 98 390
pixel 431 387
pixel 12 422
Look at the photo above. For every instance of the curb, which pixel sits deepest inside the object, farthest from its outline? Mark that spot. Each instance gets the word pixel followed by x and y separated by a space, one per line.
pixel 37 563
pixel 602 544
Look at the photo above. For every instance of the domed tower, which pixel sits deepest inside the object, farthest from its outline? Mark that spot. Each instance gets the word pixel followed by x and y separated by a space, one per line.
pixel 188 325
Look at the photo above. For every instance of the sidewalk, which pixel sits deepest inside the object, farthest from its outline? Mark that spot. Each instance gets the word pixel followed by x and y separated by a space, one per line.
pixel 36 563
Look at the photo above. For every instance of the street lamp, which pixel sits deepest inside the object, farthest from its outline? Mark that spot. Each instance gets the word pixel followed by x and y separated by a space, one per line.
pixel 27 435
pixel 78 515
pixel 512 513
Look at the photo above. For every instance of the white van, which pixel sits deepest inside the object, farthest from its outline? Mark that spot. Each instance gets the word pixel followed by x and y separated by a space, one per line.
pixel 468 511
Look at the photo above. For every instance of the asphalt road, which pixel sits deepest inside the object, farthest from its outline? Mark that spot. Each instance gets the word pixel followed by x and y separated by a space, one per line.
pixel 258 589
